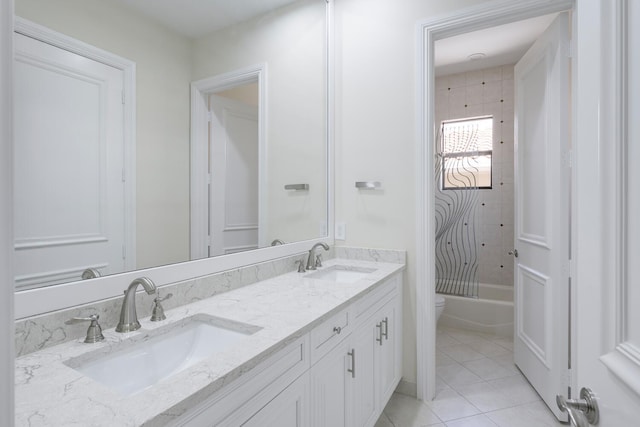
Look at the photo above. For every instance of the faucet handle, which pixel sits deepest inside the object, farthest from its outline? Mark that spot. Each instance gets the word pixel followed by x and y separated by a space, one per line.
pixel 94 332
pixel 157 313
pixel 158 299
pixel 301 266
pixel 318 260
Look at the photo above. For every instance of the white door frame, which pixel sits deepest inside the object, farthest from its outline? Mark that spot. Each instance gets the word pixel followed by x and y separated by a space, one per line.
pixel 128 68
pixel 427 32
pixel 601 204
pixel 7 325
pixel 200 91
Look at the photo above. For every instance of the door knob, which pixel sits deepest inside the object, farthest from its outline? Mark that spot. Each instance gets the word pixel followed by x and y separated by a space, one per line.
pixel 514 253
pixel 582 412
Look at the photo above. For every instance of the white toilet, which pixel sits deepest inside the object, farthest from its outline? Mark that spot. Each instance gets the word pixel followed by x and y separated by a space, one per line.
pixel 440 302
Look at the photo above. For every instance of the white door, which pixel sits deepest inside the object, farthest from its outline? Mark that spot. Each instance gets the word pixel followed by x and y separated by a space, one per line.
pixel 234 176
pixel 608 228
pixel 541 337
pixel 69 208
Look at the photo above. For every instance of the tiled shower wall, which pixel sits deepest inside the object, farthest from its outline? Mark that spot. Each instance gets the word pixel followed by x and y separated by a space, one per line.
pixel 481 93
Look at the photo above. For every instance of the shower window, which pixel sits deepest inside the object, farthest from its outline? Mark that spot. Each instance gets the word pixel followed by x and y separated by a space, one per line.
pixel 467 149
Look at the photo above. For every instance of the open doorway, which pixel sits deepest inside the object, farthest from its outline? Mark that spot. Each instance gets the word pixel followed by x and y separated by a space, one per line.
pixel 228 149
pixel 472 100
pixel 234 154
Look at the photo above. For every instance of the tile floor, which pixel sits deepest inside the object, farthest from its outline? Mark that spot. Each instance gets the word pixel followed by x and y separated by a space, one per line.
pixel 477 385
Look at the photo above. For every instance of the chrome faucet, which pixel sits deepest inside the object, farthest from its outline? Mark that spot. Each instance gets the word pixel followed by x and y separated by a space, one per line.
pixel 311 261
pixel 128 316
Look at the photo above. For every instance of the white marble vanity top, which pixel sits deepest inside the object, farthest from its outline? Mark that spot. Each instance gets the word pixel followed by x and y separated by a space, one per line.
pixel 50 393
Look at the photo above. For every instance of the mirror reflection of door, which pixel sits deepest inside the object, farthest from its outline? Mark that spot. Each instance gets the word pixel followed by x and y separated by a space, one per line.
pixel 234 170
pixel 69 167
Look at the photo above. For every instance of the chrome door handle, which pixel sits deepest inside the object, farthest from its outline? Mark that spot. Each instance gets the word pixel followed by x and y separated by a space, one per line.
pixel 386 329
pixel 352 354
pixel 582 412
pixel 514 253
pixel 379 326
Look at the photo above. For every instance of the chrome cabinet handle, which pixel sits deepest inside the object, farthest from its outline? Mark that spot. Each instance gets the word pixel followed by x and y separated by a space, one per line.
pixel 352 354
pixel 386 329
pixel 337 329
pixel 582 412
pixel 514 253
pixel 379 326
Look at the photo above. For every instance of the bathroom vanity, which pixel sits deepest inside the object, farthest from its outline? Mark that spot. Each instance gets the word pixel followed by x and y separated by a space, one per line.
pixel 319 348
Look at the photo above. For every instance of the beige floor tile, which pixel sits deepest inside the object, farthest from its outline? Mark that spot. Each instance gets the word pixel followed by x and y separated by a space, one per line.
pixel 475 421
pixel 456 374
pixel 506 361
pixel 467 336
pixel 441 385
pixel 461 352
pixel 442 359
pixel 488 369
pixel 449 405
pixel 477 385
pixel 405 411
pixel 383 421
pixel 529 415
pixel 507 343
pixel 486 397
pixel 489 348
pixel 518 388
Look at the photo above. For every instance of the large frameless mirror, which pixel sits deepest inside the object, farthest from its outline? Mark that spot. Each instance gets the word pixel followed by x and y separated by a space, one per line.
pixel 150 133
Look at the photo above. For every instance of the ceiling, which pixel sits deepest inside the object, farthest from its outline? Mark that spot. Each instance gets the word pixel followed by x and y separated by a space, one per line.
pixel 504 44
pixel 195 18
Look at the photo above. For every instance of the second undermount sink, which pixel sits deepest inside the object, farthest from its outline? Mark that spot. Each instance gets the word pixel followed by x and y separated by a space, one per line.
pixel 132 367
pixel 341 273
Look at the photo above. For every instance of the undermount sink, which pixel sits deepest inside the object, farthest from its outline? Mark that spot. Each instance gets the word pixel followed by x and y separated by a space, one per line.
pixel 341 273
pixel 134 366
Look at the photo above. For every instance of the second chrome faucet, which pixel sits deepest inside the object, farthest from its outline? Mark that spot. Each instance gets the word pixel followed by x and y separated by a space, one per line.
pixel 311 261
pixel 128 315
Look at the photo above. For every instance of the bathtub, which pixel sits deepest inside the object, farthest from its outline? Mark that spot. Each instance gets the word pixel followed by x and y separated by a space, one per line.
pixel 491 312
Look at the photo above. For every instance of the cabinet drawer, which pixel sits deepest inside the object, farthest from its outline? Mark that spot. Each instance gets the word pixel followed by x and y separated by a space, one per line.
pixel 376 299
pixel 329 333
pixel 262 383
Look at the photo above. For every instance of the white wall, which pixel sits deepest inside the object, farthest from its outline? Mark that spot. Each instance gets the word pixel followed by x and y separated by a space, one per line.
pixel 375 130
pixel 7 327
pixel 291 42
pixel 163 61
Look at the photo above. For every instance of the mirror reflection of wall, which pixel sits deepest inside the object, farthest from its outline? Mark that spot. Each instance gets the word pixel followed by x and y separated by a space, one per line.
pixel 290 40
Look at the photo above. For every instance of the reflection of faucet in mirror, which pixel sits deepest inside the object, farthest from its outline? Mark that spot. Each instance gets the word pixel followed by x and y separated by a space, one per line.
pixel 90 273
pixel 277 242
pixel 128 316
pixel 312 255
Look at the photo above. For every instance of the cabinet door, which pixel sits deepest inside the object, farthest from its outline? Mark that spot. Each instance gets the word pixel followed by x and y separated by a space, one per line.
pixel 388 362
pixel 288 409
pixel 363 409
pixel 330 388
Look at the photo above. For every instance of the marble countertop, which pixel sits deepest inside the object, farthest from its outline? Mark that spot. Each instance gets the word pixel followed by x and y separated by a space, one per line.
pixel 50 393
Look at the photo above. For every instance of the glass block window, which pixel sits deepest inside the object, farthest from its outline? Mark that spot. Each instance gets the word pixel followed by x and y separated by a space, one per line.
pixel 467 148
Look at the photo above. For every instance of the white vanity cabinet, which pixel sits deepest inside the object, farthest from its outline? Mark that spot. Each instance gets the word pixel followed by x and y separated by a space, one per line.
pixel 340 374
pixel 351 384
pixel 290 408
pixel 278 385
